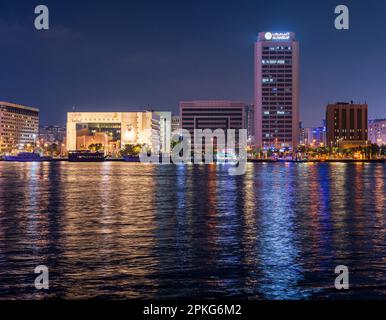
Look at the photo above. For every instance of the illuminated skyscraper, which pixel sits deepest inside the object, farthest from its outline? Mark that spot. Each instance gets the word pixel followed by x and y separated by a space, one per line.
pixel 277 90
pixel 19 126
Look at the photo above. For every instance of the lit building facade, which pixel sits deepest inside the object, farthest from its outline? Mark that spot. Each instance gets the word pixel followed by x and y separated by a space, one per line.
pixel 249 122
pixel 175 123
pixel 113 130
pixel 54 134
pixel 347 125
pixel 313 136
pixel 377 131
pixel 165 120
pixel 19 126
pixel 212 115
pixel 277 90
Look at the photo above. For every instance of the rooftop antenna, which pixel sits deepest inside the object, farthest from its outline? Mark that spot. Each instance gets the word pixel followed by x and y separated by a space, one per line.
pixel 73 109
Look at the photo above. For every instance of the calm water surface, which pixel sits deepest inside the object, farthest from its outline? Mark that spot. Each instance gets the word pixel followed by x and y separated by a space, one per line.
pixel 119 230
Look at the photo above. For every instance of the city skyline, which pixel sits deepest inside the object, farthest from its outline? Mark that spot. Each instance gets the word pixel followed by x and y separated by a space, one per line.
pixel 83 62
pixel 191 157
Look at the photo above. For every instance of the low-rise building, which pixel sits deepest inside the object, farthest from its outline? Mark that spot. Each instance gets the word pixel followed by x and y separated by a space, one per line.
pixel 347 125
pixel 113 130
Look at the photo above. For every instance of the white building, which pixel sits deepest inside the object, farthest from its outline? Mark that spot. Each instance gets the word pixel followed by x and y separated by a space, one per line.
pixel 114 130
pixel 165 131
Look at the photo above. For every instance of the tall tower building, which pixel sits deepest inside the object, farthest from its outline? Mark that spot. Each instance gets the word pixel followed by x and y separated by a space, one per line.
pixel 277 90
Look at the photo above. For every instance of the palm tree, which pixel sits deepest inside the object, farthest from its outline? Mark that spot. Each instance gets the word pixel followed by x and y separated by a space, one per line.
pixel 131 150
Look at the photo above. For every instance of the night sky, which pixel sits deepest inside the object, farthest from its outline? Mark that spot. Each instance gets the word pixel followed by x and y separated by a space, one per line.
pixel 124 55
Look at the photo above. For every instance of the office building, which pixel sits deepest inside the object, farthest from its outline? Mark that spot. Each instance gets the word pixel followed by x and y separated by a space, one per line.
pixel 277 90
pixel 347 125
pixel 52 134
pixel 377 131
pixel 19 127
pixel 313 137
pixel 212 115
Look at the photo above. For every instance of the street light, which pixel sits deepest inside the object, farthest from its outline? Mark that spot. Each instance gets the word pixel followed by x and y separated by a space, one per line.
pixel 338 144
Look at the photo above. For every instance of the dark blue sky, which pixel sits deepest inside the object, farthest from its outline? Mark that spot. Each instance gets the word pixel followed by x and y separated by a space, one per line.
pixel 119 55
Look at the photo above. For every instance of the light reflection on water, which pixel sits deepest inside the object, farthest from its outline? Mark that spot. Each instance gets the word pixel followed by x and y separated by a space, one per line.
pixel 118 230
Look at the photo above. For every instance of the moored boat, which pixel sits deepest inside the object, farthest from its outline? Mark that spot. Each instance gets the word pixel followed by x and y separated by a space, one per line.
pixel 128 158
pixel 86 156
pixel 27 157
